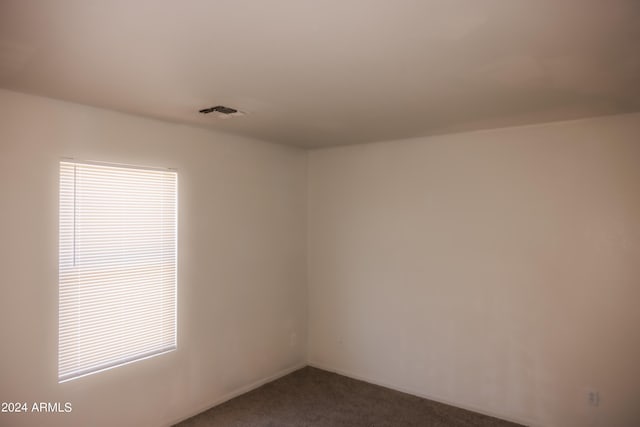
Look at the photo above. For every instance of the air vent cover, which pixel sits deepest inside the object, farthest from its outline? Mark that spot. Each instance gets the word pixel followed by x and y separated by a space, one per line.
pixel 220 109
pixel 222 112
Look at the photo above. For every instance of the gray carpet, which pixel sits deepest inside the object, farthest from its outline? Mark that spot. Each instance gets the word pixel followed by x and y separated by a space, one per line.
pixel 312 397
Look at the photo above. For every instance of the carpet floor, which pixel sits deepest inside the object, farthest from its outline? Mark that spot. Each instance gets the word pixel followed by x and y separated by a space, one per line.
pixel 312 397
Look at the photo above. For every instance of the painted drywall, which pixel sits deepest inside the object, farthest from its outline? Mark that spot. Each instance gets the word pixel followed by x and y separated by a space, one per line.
pixel 241 281
pixel 497 270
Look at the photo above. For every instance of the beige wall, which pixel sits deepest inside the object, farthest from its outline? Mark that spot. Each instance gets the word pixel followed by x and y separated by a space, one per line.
pixel 497 270
pixel 242 295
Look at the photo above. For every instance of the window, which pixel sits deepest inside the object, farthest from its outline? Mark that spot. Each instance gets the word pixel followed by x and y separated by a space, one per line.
pixel 118 272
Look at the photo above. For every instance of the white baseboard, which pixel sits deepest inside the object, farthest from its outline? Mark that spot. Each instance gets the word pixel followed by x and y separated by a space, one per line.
pixel 517 420
pixel 241 390
pixel 291 369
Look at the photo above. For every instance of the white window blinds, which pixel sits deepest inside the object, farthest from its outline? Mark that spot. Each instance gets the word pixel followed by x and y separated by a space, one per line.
pixel 117 276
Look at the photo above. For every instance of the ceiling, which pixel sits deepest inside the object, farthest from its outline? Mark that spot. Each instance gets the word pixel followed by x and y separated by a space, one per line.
pixel 316 73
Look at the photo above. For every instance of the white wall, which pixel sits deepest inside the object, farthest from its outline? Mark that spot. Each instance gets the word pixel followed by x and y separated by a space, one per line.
pixel 242 295
pixel 498 270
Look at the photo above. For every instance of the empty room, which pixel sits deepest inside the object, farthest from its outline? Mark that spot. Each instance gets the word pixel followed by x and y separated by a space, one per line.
pixel 320 213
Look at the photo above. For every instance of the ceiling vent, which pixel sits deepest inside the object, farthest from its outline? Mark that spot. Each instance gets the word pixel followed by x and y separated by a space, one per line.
pixel 222 112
